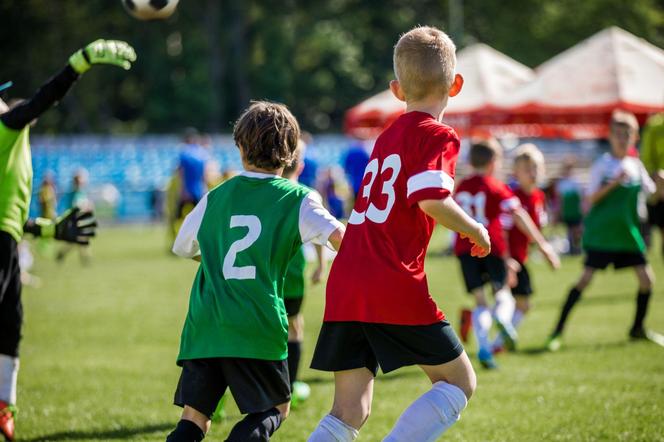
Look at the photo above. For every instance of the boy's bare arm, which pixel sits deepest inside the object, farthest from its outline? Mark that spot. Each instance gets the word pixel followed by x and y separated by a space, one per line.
pixel 449 214
pixel 336 237
pixel 525 223
pixel 320 264
pixel 603 191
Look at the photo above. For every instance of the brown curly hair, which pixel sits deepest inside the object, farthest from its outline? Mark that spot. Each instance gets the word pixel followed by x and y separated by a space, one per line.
pixel 267 134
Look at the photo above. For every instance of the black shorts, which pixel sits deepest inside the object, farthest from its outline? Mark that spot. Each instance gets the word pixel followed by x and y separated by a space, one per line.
pixel 349 345
pixel 479 271
pixel 523 285
pixel 11 308
pixel 257 385
pixel 601 259
pixel 656 214
pixel 571 223
pixel 293 305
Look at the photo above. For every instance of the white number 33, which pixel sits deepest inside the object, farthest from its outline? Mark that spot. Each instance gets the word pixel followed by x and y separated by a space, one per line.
pixel 373 213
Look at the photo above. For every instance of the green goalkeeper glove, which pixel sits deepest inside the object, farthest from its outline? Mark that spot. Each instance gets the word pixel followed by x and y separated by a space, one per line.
pixel 72 226
pixel 113 52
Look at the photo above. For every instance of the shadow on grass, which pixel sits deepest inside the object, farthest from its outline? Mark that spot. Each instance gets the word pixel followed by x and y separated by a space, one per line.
pixel 122 433
pixel 573 348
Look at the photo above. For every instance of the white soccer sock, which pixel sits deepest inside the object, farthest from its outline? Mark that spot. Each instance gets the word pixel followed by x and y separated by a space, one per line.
pixel 430 415
pixel 8 378
pixel 504 308
pixel 517 317
pixel 331 429
pixel 481 325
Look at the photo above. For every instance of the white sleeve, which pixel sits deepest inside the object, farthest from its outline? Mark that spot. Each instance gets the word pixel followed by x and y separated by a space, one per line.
pixel 186 243
pixel 316 223
pixel 596 177
pixel 647 184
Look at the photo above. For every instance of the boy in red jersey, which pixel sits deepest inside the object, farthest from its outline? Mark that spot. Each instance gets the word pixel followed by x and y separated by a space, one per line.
pixel 378 308
pixel 528 167
pixel 494 205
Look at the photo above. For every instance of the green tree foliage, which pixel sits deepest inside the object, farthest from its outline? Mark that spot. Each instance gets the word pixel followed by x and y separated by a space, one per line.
pixel 201 66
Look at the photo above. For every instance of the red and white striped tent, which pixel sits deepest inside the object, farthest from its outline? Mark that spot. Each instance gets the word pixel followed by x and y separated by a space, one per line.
pixel 571 96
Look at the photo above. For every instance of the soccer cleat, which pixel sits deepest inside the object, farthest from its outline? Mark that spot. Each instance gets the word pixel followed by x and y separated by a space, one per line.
pixel 509 335
pixel 466 324
pixel 300 393
pixel 219 413
pixel 638 333
pixel 553 342
pixel 486 359
pixel 7 420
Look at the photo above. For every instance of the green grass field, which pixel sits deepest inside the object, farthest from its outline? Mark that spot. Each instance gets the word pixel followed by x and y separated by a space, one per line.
pixel 99 348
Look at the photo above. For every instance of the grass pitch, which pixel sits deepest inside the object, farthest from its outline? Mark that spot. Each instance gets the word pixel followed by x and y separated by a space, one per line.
pixel 99 348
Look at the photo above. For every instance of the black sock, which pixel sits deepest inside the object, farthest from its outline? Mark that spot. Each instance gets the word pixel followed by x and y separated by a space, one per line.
pixel 186 431
pixel 642 299
pixel 294 354
pixel 572 298
pixel 256 427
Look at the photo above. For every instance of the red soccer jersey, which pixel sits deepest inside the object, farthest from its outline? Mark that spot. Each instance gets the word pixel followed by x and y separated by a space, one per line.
pixel 533 203
pixel 378 275
pixel 486 199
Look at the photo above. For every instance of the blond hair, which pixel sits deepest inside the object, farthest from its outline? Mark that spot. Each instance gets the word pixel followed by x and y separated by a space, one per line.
pixel 528 152
pixel 424 62
pixel 624 118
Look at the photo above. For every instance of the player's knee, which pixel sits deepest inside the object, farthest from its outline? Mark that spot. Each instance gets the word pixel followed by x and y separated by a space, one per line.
pixel 354 415
pixel 284 410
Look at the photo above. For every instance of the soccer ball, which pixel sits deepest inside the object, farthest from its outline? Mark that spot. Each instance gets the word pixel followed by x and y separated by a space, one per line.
pixel 150 9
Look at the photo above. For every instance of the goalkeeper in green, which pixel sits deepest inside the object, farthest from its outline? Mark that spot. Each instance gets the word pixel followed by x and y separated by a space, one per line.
pixel 15 191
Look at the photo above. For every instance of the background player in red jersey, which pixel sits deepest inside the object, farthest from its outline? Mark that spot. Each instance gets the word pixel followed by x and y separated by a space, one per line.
pixel 378 308
pixel 528 168
pixel 494 205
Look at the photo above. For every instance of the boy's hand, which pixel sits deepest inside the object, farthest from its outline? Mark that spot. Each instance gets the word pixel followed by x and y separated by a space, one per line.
pixel 316 275
pixel 550 255
pixel 480 240
pixel 513 267
pixel 113 52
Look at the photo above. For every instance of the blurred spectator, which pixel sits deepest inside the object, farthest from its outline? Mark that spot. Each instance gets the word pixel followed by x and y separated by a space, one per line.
pixel 77 197
pixel 192 163
pixel 48 197
pixel 570 211
pixel 355 161
pixel 309 174
pixel 331 188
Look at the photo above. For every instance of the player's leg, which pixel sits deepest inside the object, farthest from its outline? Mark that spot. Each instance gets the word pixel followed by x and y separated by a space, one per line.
pixel 473 273
pixel 295 338
pixel 261 390
pixel 573 297
pixel 344 349
pixel 11 318
pixel 353 393
pixel 503 309
pixel 201 385
pixel 646 278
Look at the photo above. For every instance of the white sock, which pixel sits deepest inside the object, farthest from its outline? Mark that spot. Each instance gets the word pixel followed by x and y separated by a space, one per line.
pixel 517 317
pixel 430 415
pixel 331 429
pixel 504 308
pixel 8 378
pixel 481 325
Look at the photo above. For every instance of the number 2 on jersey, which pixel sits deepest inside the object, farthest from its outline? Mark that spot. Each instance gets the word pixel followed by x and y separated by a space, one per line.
pixel 474 205
pixel 373 213
pixel 229 269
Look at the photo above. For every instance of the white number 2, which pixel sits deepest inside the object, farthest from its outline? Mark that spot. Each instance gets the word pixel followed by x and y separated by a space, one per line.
pixel 229 269
pixel 474 205
pixel 373 213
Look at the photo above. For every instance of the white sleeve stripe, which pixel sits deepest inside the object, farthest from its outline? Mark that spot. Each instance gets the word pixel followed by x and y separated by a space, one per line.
pixel 430 179
pixel 510 203
pixel 186 243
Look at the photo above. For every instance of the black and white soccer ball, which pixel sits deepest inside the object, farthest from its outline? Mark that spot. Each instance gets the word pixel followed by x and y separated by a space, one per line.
pixel 150 9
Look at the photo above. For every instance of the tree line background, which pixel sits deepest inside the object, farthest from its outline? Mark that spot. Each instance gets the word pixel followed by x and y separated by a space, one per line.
pixel 203 65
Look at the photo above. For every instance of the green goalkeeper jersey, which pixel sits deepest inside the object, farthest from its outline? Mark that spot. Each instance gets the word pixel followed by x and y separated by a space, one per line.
pixel 613 222
pixel 246 231
pixel 15 179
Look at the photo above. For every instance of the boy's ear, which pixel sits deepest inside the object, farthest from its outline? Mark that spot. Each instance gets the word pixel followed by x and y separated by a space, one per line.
pixel 395 87
pixel 456 85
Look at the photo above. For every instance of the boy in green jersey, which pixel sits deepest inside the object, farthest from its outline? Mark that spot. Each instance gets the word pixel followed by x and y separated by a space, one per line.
pixel 15 194
pixel 245 232
pixel 612 234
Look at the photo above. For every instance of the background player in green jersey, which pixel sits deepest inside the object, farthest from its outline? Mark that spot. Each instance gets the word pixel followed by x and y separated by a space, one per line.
pixel 15 193
pixel 245 232
pixel 612 228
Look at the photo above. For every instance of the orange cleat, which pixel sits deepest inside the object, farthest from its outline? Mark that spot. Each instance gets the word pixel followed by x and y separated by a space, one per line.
pixel 466 324
pixel 6 421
